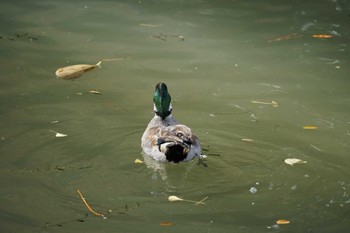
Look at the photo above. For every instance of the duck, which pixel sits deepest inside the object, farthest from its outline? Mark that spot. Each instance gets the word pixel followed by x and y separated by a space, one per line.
pixel 165 139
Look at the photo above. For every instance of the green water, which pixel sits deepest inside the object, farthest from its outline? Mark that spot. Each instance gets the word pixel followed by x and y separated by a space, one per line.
pixel 216 58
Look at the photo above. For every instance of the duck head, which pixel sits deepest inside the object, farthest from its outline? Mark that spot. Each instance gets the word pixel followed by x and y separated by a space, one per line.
pixel 162 101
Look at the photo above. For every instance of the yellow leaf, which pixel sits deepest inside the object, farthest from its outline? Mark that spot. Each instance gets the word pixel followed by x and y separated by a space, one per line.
pixel 166 224
pixel 282 221
pixel 138 161
pixel 75 71
pixel 322 36
pixel 310 127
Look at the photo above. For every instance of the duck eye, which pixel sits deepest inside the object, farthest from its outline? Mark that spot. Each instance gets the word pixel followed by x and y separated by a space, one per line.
pixel 180 135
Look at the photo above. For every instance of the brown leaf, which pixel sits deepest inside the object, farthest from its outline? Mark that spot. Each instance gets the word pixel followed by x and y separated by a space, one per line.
pixel 282 221
pixel 166 224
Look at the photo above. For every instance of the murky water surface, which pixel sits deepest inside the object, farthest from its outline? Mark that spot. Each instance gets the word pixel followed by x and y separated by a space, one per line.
pixel 220 60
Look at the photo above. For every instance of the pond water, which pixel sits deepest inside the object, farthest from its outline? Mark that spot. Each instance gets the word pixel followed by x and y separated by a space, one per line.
pixel 224 63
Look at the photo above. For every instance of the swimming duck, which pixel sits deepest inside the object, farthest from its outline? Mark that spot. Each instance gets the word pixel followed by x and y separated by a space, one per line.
pixel 165 140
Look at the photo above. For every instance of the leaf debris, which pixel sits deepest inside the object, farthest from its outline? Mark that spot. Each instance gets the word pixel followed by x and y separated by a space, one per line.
pixel 59 135
pixel 292 161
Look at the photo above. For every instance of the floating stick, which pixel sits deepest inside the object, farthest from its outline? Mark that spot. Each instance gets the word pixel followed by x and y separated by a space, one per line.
pixel 202 201
pixel 112 59
pixel 89 208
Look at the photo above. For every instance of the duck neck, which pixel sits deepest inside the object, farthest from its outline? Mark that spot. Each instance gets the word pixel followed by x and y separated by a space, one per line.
pixel 162 115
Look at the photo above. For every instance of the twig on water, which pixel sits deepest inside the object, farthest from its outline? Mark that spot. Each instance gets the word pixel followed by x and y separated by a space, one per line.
pixel 88 206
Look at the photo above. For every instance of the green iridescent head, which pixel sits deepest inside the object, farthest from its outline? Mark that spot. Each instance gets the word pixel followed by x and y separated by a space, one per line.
pixel 162 101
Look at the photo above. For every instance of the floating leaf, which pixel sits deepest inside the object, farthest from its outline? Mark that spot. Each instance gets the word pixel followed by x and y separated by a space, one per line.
pixel 166 224
pixel 292 161
pixel 310 127
pixel 138 161
pixel 246 140
pixel 59 135
pixel 175 198
pixel 282 222
pixel 75 71
pixel 285 37
pixel 322 36
pixel 95 92
pixel 274 104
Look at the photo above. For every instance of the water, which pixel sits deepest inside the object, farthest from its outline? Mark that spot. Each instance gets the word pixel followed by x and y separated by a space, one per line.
pixel 216 58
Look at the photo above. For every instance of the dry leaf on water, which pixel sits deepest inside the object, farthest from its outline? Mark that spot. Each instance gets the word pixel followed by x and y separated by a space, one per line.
pixel 282 222
pixel 95 92
pixel 292 161
pixel 310 127
pixel 75 71
pixel 138 161
pixel 246 140
pixel 59 135
pixel 175 198
pixel 166 224
pixel 322 36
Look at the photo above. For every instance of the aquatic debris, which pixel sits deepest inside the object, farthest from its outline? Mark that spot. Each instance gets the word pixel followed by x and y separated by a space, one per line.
pixel 95 92
pixel 315 147
pixel 285 37
pixel 75 71
pixel 282 222
pixel 88 206
pixel 322 36
pixel 164 37
pixel 307 26
pixel 59 135
pixel 138 161
pixel 175 198
pixel 21 36
pixel 273 103
pixel 292 161
pixel 149 25
pixel 310 127
pixel 246 140
pixel 166 224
